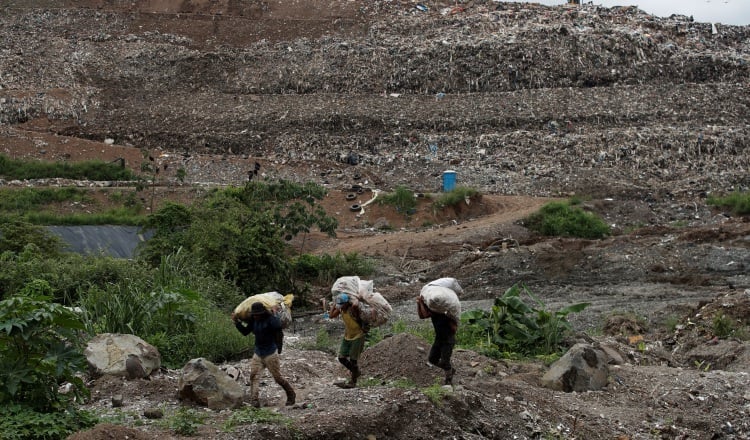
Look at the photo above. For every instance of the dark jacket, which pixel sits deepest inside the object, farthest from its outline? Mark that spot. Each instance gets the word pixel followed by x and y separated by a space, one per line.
pixel 267 331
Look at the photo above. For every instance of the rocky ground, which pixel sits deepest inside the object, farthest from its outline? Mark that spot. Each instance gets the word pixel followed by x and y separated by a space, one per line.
pixel 642 117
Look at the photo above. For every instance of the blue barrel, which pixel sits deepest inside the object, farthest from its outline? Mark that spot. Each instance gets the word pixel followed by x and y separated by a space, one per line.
pixel 449 180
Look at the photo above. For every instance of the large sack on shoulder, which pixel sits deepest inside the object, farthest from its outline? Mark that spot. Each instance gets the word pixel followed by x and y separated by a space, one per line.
pixel 374 308
pixel 441 299
pixel 450 283
pixel 348 285
pixel 274 302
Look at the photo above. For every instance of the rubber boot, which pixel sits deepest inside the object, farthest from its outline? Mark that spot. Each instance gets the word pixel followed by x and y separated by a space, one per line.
pixel 449 376
pixel 355 372
pixel 290 394
pixel 346 362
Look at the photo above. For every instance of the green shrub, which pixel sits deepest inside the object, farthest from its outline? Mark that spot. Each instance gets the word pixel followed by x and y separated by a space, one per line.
pixel 40 348
pixel 452 198
pixel 738 202
pixel 513 326
pixel 436 393
pixel 25 199
pixel 402 198
pixel 19 422
pixel 241 234
pixel 213 337
pixel 723 326
pixel 559 219
pixel 186 421
pixel 16 235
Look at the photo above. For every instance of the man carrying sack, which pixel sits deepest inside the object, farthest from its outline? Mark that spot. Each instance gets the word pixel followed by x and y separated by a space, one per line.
pixel 440 303
pixel 268 343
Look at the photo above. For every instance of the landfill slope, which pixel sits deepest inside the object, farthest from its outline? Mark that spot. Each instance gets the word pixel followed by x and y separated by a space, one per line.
pixel 642 118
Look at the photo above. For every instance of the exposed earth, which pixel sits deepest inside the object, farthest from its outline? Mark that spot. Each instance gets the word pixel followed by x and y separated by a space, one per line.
pixel 642 117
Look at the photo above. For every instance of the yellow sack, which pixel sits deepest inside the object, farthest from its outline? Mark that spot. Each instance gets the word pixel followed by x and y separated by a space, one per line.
pixel 274 302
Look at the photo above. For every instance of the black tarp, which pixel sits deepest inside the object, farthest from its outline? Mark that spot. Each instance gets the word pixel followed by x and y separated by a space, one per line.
pixel 110 240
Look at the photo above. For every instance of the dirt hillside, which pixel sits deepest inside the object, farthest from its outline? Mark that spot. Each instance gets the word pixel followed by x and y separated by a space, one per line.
pixel 642 117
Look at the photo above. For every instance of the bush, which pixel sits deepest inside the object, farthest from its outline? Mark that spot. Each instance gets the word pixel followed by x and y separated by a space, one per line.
pixel 738 202
pixel 512 326
pixel 19 422
pixel 454 197
pixel 241 234
pixel 16 235
pixel 40 348
pixel 402 198
pixel 560 219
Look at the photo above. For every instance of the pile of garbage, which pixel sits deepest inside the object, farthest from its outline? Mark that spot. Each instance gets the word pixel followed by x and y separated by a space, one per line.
pixel 517 98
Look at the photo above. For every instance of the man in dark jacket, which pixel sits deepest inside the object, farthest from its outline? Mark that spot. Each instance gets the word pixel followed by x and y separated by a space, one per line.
pixel 267 329
pixel 445 339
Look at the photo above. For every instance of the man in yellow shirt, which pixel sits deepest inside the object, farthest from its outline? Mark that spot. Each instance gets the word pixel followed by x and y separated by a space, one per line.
pixel 353 342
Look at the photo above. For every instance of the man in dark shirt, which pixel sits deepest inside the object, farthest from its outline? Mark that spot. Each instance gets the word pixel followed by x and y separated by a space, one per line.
pixel 445 339
pixel 267 329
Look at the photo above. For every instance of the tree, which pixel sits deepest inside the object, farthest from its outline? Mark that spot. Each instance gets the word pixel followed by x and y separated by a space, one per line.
pixel 15 235
pixel 241 233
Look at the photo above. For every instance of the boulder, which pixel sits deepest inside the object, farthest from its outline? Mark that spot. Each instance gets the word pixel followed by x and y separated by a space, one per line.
pixel 107 354
pixel 582 368
pixel 206 384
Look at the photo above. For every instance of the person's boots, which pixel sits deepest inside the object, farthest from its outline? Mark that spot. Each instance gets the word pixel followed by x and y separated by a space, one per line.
pixel 355 373
pixel 449 376
pixel 290 394
pixel 346 363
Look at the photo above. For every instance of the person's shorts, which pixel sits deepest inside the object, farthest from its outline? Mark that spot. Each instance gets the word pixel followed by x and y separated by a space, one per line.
pixel 352 349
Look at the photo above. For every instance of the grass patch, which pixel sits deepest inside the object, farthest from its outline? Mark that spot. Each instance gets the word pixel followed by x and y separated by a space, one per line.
pixel 28 199
pixel 560 219
pixel 323 342
pixel 32 205
pixel 436 393
pixel 454 197
pixel 249 415
pixel 738 202
pixel 402 198
pixel 86 170
pixel 116 216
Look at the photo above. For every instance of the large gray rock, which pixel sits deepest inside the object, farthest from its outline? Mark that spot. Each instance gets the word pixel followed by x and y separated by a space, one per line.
pixel 107 354
pixel 582 368
pixel 206 384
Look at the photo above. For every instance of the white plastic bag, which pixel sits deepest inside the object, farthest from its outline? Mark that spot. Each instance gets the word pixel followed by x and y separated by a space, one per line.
pixel 450 283
pixel 441 299
pixel 373 307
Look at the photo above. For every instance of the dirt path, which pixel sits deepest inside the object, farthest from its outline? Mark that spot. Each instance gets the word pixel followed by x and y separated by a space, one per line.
pixel 438 241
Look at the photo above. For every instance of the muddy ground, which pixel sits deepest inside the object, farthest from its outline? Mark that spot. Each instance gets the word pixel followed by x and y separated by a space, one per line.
pixel 642 117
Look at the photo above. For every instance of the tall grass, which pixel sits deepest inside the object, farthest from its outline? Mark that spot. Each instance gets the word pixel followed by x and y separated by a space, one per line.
pixel 31 205
pixel 454 197
pixel 167 311
pixel 402 198
pixel 115 216
pixel 738 202
pixel 87 170
pixel 25 199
